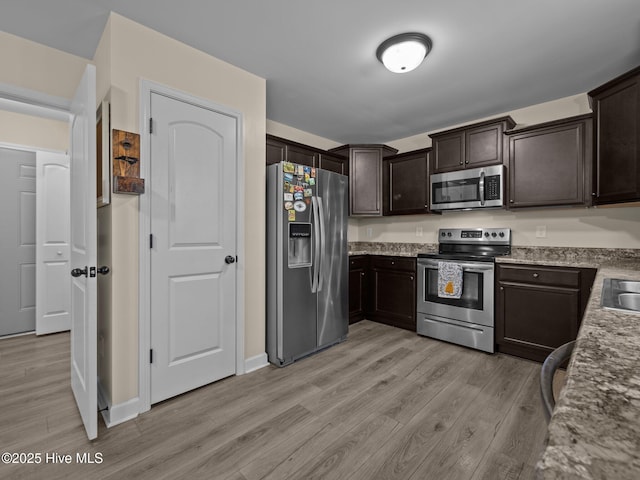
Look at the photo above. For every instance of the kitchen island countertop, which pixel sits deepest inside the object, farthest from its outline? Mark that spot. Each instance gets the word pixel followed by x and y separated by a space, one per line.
pixel 594 432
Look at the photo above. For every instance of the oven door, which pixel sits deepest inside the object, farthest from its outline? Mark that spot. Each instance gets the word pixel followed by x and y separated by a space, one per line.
pixel 476 302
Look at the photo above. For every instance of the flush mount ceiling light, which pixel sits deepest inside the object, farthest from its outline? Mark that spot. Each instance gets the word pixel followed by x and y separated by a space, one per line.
pixel 403 53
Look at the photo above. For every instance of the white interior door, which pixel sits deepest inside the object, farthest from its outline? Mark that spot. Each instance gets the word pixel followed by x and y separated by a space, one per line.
pixel 17 241
pixel 193 224
pixel 84 382
pixel 53 284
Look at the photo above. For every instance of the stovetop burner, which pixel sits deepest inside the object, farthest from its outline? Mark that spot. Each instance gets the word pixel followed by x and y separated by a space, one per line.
pixel 472 244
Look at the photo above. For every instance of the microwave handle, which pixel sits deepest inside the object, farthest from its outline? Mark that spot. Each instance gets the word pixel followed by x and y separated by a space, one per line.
pixel 481 188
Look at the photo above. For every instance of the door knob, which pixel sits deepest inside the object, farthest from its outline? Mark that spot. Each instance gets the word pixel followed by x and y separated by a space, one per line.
pixel 78 272
pixel 103 270
pixel 229 259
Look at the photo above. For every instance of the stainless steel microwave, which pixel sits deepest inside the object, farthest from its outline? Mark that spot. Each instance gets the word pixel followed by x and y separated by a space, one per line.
pixel 470 188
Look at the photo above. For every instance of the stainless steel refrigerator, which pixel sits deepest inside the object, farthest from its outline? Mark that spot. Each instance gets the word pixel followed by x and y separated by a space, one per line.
pixel 307 261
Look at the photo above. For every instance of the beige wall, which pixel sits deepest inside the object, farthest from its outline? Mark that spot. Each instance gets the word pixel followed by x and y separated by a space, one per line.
pixel 131 52
pixel 37 132
pixel 29 65
pixel 300 136
pixel 579 227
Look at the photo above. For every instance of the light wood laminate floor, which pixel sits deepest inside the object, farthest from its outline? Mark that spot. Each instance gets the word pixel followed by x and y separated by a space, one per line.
pixel 385 404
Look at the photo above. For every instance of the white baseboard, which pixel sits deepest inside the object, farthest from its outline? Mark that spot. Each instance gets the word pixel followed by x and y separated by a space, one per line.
pixel 255 363
pixel 119 413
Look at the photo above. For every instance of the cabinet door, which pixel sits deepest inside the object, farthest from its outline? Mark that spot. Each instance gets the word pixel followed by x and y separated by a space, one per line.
pixel 302 156
pixel 405 184
pixel 548 166
pixel 533 320
pixel 276 151
pixel 483 146
pixel 449 152
pixel 365 181
pixel 333 163
pixel 617 114
pixel 357 289
pixel 393 298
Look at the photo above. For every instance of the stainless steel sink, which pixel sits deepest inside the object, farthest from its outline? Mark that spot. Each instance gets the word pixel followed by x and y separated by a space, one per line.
pixel 629 286
pixel 630 301
pixel 620 294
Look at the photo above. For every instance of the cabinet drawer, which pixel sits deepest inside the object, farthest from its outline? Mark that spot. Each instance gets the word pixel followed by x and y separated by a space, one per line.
pixel 357 261
pixel 394 263
pixel 538 275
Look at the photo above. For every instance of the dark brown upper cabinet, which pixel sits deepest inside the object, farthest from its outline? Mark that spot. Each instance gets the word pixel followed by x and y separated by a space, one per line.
pixel 616 113
pixel 280 150
pixel 477 145
pixel 405 183
pixel 334 163
pixel 550 163
pixel 276 150
pixel 365 177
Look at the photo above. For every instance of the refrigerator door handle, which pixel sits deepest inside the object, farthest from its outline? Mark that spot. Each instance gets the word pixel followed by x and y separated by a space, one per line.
pixel 316 246
pixel 323 244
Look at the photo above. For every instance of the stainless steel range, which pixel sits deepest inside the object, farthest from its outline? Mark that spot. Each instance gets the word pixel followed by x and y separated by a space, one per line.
pixel 469 319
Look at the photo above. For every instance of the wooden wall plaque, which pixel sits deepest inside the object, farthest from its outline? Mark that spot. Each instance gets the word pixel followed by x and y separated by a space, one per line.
pixel 126 163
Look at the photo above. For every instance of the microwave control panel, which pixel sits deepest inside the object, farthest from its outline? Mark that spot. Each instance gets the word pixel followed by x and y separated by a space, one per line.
pixel 492 187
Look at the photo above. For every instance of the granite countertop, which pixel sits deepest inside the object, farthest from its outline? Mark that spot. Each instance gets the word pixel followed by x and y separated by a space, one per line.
pixel 594 432
pixel 392 249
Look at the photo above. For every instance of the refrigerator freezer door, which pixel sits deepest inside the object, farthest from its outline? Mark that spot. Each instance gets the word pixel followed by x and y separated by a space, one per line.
pixel 291 305
pixel 333 306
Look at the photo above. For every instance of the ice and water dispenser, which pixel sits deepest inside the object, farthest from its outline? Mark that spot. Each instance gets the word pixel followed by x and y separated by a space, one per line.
pixel 299 251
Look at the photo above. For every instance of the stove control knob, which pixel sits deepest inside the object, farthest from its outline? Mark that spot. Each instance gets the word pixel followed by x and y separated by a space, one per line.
pixel 486 234
pixel 443 234
pixel 493 234
pixel 448 234
pixel 501 234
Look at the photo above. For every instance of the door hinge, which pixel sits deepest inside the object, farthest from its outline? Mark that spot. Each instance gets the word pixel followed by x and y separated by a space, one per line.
pixel 151 240
pixel 151 355
pixel 150 125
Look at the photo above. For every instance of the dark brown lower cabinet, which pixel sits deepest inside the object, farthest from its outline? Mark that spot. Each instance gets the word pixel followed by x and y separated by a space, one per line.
pixel 392 291
pixel 358 270
pixel 383 289
pixel 539 308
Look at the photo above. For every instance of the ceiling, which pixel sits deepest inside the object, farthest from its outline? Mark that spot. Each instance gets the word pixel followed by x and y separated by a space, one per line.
pixel 318 57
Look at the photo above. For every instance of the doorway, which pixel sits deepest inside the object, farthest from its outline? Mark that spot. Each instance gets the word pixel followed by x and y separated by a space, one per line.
pixel 17 242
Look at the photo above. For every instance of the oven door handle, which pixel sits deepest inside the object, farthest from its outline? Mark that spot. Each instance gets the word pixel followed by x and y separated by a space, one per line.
pixel 466 267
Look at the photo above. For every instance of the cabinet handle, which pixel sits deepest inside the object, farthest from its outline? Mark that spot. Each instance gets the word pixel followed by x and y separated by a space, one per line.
pixel 411 277
pixel 467 161
pixel 393 263
pixel 511 201
pixel 501 288
pixel 362 274
pixel 535 275
pixel 460 163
